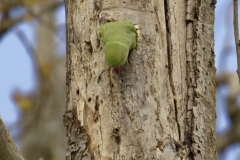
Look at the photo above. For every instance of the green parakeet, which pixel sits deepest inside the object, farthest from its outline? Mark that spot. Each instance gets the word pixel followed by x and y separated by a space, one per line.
pixel 118 39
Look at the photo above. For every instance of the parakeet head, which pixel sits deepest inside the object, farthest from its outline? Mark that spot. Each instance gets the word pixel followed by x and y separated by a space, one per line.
pixel 116 55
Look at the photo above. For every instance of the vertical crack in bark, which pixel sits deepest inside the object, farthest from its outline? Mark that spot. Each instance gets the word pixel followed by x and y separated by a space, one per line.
pixel 101 135
pixel 191 80
pixel 110 81
pixel 170 66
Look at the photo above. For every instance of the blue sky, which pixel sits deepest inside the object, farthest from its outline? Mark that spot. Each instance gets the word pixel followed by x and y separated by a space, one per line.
pixel 16 67
pixel 225 60
pixel 17 71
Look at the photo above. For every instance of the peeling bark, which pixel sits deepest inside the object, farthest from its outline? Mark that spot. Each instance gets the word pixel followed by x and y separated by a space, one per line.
pixel 162 105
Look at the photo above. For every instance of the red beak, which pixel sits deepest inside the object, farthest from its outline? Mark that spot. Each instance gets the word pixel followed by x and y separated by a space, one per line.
pixel 117 69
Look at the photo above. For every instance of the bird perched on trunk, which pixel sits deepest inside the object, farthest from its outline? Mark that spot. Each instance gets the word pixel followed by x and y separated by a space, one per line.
pixel 118 39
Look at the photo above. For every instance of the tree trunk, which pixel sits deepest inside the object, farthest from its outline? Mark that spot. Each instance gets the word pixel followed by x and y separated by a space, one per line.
pixel 162 105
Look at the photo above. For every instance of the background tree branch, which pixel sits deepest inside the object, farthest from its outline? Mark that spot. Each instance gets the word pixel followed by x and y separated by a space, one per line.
pixel 8 149
pixel 236 34
pixel 7 23
pixel 233 134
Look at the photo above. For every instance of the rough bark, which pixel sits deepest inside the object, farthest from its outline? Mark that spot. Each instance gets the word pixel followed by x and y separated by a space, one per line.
pixel 162 105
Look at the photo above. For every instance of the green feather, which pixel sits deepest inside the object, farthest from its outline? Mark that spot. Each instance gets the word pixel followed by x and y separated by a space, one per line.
pixel 118 39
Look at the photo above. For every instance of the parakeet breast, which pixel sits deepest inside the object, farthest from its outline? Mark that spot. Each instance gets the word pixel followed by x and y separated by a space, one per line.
pixel 116 54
